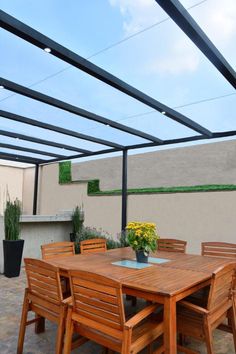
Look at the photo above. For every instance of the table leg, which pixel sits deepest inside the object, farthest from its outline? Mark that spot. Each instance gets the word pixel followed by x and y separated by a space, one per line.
pixel 170 335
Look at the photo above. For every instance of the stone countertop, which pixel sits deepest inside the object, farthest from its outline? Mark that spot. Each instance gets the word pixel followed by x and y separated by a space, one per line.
pixel 44 218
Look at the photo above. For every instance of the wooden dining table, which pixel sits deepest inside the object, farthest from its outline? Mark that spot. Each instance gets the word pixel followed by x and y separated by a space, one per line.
pixel 166 283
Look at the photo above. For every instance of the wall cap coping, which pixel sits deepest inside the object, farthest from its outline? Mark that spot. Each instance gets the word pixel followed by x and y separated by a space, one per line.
pixel 45 218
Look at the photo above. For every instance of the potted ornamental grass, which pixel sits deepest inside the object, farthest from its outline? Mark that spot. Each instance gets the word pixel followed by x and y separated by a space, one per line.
pixel 142 237
pixel 77 219
pixel 12 245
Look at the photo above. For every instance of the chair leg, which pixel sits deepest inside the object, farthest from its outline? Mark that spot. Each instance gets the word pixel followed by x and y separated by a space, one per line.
pixel 150 348
pixel 69 333
pixel 208 338
pixel 181 340
pixel 24 315
pixel 233 325
pixel 60 331
pixel 39 324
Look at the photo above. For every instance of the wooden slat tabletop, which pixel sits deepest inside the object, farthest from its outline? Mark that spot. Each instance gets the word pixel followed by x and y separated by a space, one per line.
pixel 171 278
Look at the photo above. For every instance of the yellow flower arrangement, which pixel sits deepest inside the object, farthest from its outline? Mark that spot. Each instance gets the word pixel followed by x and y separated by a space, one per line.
pixel 142 236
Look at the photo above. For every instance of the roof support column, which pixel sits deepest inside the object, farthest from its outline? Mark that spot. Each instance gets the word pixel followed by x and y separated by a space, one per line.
pixel 124 191
pixel 35 200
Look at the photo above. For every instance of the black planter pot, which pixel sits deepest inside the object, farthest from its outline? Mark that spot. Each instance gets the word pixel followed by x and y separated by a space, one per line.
pixel 12 251
pixel 141 257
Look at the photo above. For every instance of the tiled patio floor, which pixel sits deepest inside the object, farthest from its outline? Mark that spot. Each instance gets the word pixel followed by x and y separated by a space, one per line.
pixel 11 297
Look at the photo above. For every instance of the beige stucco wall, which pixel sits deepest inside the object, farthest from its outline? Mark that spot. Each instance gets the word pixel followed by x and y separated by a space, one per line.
pixel 11 182
pixel 28 190
pixel 55 198
pixel 213 163
pixel 194 217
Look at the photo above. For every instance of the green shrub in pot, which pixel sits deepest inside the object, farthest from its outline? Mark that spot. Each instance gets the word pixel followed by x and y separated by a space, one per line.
pixel 12 245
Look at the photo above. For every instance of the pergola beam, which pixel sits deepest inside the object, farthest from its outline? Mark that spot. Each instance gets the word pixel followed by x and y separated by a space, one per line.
pixel 190 27
pixel 38 96
pixel 36 123
pixel 33 151
pixel 124 190
pixel 95 153
pixel 41 141
pixel 35 197
pixel 36 38
pixel 20 158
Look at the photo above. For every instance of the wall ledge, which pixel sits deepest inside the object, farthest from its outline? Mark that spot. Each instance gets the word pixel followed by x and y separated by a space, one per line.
pixel 45 218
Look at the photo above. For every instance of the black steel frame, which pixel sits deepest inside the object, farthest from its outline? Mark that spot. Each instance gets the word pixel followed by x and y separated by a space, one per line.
pixel 190 27
pixel 179 14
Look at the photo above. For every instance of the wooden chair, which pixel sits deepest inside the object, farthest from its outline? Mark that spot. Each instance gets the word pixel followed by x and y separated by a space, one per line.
pixel 222 250
pixel 57 249
pixel 199 322
pixel 98 314
pixel 44 297
pixel 93 245
pixel 219 249
pixel 171 245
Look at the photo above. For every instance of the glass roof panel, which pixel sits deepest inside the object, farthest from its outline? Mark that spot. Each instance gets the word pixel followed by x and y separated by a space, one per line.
pixel 160 60
pixel 215 115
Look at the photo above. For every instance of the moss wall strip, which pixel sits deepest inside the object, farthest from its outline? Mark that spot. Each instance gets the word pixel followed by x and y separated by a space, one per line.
pixel 65 172
pixel 93 189
pixel 93 186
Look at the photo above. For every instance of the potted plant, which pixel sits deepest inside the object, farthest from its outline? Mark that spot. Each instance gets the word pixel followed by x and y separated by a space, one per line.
pixel 12 245
pixel 77 219
pixel 142 237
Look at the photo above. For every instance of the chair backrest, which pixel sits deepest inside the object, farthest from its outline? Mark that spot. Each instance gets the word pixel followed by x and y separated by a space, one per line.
pixel 222 284
pixel 43 281
pixel 219 249
pixel 58 249
pixel 98 302
pixel 93 245
pixel 171 245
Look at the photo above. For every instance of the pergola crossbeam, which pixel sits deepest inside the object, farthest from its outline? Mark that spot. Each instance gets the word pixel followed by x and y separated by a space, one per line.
pixel 36 123
pixel 150 145
pixel 36 38
pixel 20 158
pixel 38 96
pixel 190 27
pixel 41 141
pixel 33 151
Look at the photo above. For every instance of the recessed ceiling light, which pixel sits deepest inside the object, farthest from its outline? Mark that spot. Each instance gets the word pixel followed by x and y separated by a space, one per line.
pixel 163 112
pixel 47 50
pixel 1 87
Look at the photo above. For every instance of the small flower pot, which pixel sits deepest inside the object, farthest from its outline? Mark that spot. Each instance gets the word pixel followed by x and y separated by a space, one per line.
pixel 141 256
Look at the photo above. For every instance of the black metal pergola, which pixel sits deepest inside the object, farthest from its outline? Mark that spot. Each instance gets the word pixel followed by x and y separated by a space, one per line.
pixel 183 19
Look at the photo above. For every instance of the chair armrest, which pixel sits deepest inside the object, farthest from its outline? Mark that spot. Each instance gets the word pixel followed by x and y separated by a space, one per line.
pixel 133 321
pixel 193 307
pixel 67 301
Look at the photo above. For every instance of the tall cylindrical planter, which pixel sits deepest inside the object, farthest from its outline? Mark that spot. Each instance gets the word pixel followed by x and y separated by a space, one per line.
pixel 12 251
